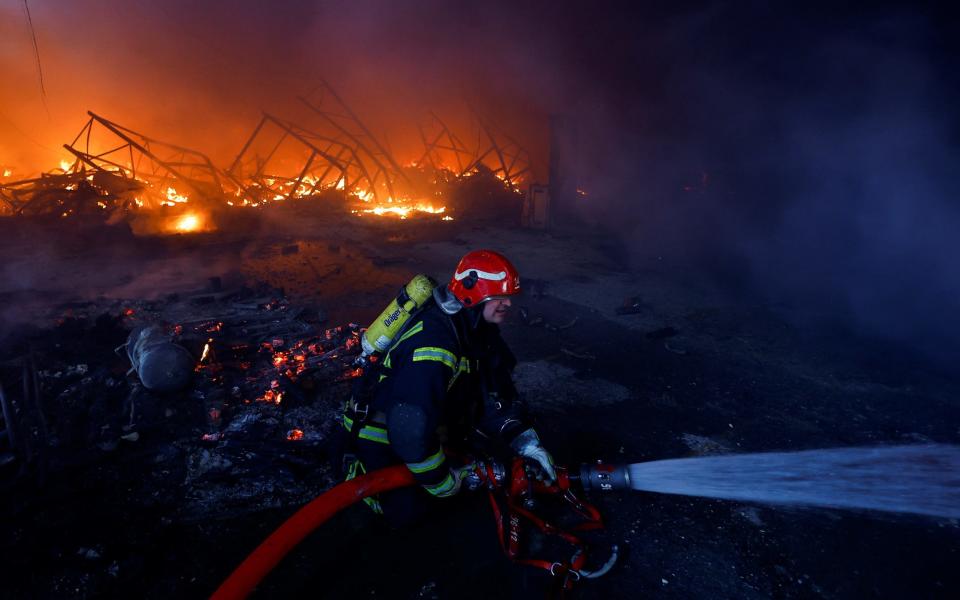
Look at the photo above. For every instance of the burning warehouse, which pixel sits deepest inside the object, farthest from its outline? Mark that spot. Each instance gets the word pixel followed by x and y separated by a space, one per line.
pixel 444 301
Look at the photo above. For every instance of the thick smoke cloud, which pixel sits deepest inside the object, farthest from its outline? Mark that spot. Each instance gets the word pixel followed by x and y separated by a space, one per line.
pixel 809 160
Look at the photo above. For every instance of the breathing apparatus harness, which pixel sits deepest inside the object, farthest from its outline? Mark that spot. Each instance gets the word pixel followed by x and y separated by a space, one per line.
pixel 377 341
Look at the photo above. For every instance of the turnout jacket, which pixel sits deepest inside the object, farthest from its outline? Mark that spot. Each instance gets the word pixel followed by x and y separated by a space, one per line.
pixel 445 379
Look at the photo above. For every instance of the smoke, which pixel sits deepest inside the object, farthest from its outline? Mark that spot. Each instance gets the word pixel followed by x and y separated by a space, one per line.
pixel 807 157
pixel 198 74
pixel 808 160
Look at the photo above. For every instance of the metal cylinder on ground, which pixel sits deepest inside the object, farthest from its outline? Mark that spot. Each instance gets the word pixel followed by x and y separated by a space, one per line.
pixel 161 364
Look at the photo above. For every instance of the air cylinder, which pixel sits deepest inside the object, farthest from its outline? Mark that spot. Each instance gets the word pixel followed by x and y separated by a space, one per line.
pixel 381 333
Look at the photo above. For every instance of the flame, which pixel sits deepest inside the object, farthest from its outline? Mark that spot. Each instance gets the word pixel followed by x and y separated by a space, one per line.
pixel 365 195
pixel 188 222
pixel 272 189
pixel 206 351
pixel 402 210
pixel 7 172
pixel 173 197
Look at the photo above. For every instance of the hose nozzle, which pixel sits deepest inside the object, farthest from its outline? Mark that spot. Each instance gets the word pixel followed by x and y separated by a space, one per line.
pixel 603 477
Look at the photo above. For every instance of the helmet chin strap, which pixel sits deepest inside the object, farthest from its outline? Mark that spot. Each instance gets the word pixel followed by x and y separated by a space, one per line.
pixel 474 315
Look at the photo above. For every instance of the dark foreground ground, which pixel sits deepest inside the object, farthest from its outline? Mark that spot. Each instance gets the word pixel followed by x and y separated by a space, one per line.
pixel 730 375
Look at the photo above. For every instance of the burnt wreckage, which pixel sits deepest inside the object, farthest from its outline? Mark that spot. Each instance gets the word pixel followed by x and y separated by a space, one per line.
pixel 115 172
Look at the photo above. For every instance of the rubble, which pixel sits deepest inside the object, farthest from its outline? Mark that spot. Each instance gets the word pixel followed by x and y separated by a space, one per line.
pixel 116 174
pixel 266 381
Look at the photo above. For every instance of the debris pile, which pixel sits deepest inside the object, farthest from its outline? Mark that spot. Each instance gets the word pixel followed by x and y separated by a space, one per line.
pixel 116 173
pixel 236 435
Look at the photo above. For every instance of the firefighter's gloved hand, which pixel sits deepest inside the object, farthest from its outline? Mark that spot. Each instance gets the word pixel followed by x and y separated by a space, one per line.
pixel 527 445
pixel 460 476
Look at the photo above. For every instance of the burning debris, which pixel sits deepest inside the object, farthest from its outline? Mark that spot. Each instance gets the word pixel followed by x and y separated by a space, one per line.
pixel 231 397
pixel 115 173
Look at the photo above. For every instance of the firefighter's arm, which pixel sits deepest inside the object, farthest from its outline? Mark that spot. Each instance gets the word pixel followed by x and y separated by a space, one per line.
pixel 413 419
pixel 504 414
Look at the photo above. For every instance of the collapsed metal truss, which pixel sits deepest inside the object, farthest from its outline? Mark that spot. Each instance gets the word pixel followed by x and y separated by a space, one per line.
pixel 324 162
pixel 135 156
pixel 439 143
pixel 502 154
pixel 385 172
pixel 46 195
pixel 279 160
pixel 116 167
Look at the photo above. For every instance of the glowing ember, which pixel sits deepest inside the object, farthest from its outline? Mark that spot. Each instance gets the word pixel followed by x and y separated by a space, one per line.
pixel 295 434
pixel 65 165
pixel 206 351
pixel 271 396
pixel 7 172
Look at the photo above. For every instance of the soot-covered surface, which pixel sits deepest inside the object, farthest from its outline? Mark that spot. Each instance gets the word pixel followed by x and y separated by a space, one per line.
pixel 691 369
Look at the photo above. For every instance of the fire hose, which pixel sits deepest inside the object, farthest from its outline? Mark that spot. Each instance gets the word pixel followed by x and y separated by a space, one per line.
pixel 272 550
pixel 243 580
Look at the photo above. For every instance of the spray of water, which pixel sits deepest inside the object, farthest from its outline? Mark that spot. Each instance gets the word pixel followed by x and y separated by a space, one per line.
pixel 908 479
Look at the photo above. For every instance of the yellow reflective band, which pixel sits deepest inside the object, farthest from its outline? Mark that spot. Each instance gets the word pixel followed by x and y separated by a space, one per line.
pixel 435 354
pixel 411 332
pixel 369 432
pixel 464 367
pixel 430 463
pixel 374 434
pixel 374 505
pixel 444 488
pixel 355 468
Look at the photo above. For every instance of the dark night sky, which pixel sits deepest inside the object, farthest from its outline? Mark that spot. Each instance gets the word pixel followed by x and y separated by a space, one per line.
pixel 828 136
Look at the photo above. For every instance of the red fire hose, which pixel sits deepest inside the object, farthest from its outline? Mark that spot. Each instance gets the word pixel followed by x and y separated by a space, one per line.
pixel 269 553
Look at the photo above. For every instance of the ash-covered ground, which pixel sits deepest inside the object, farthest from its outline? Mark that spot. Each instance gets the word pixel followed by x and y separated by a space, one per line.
pixel 691 368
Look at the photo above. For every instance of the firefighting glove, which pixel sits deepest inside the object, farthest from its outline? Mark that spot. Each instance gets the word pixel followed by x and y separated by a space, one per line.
pixel 527 445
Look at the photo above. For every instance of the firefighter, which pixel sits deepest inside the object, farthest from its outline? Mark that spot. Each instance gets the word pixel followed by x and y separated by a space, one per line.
pixel 444 391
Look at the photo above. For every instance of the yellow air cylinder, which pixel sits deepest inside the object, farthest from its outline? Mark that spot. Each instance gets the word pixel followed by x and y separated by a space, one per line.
pixel 384 329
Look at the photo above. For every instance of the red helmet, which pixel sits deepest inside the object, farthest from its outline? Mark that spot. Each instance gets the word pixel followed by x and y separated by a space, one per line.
pixel 484 274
